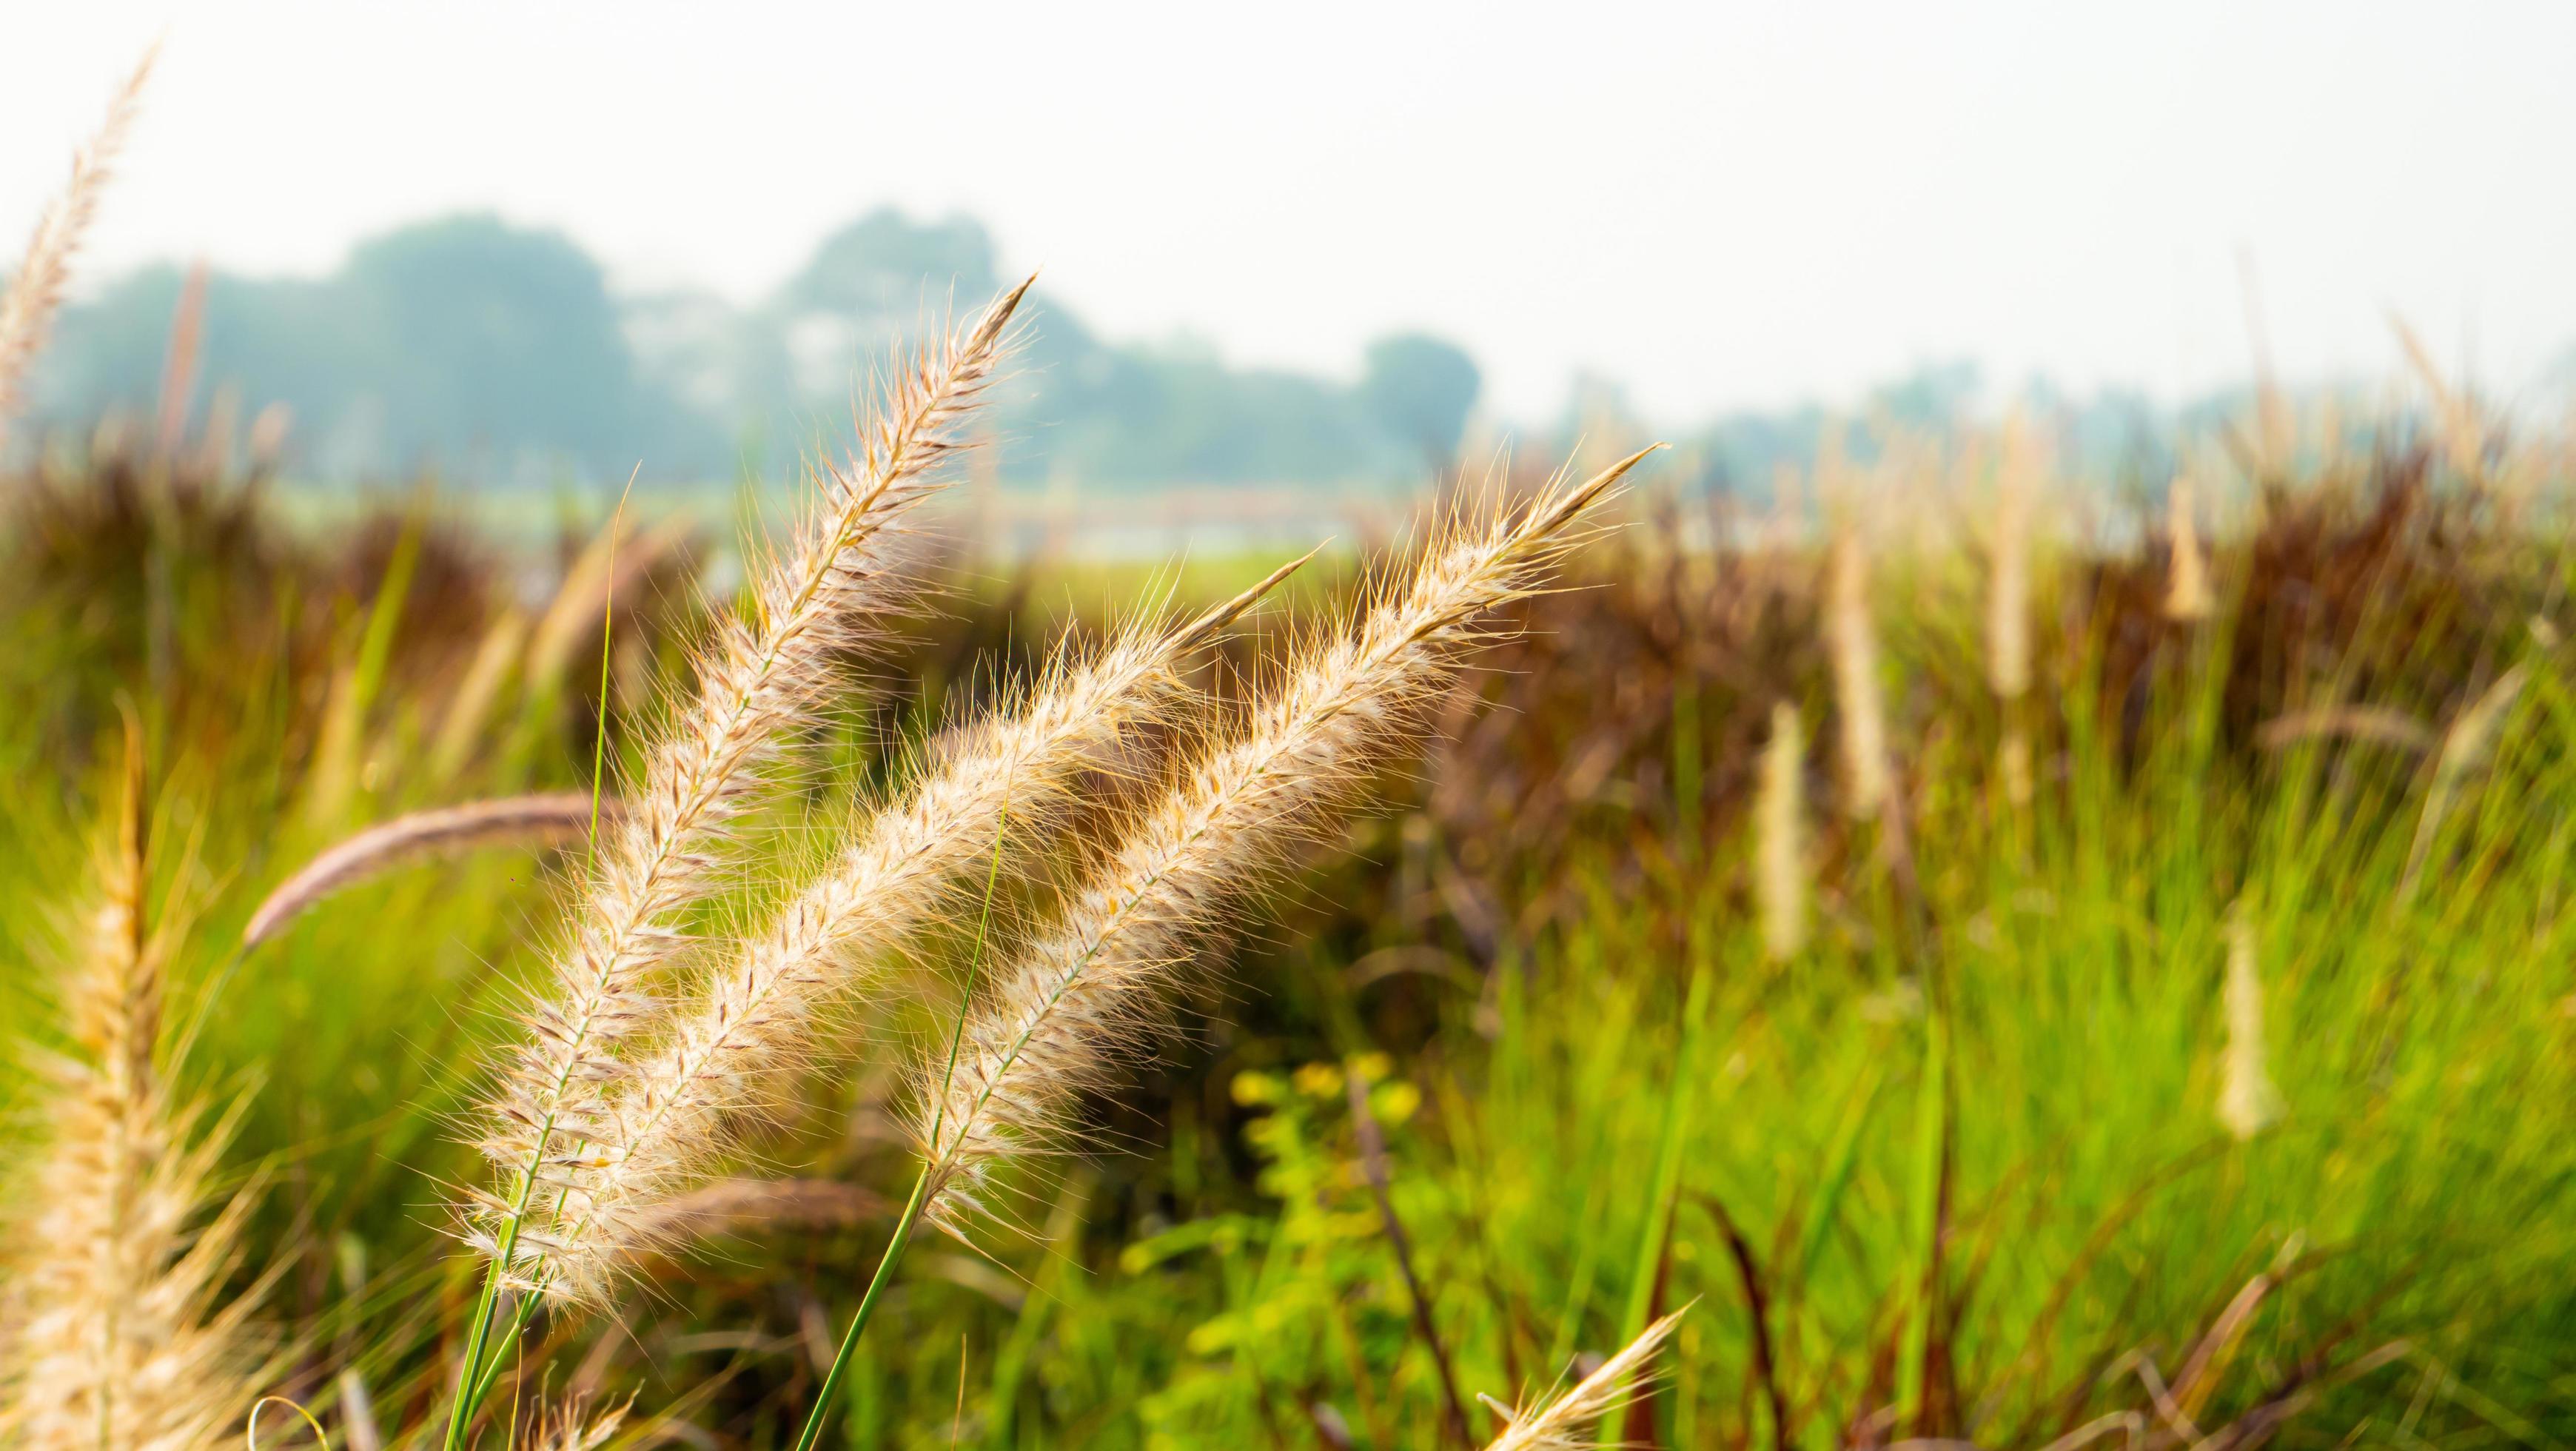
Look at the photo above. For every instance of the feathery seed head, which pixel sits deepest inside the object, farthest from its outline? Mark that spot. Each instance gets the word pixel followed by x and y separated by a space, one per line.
pixel 1851 638
pixel 2187 595
pixel 540 820
pixel 2008 598
pixel 573 1426
pixel 1780 821
pixel 1088 991
pixel 765 672
pixel 1567 1423
pixel 121 1336
pixel 674 1116
pixel 2247 1101
pixel 36 293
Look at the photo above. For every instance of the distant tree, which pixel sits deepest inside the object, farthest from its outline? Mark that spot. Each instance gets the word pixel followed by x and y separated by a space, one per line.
pixel 497 336
pixel 496 349
pixel 886 263
pixel 1934 395
pixel 877 282
pixel 1420 390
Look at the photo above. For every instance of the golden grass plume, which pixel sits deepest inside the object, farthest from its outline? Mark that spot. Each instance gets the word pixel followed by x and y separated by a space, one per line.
pixel 2187 596
pixel 36 292
pixel 1851 639
pixel 834 592
pixel 545 819
pixel 660 1130
pixel 1780 844
pixel 2248 1103
pixel 123 1337
pixel 1567 1423
pixel 1084 993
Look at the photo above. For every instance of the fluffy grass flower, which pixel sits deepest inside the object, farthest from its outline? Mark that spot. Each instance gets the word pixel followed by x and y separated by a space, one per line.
pixel 1089 990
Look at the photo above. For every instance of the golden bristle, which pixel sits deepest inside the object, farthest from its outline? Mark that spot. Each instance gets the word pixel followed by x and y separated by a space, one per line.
pixel 657 1132
pixel 36 292
pixel 1087 991
pixel 2247 1101
pixel 1780 822
pixel 835 592
pixel 1851 639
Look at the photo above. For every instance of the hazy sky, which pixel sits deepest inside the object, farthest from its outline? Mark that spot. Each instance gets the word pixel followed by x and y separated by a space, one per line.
pixel 1717 205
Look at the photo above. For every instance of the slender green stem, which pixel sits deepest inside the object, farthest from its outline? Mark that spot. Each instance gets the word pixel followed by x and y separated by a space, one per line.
pixel 471 1383
pixel 1667 1184
pixel 456 1410
pixel 474 1380
pixel 831 1387
pixel 1931 1147
pixel 500 1356
pixel 830 1391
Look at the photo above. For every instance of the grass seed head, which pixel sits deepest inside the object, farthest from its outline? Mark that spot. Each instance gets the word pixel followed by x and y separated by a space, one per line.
pixel 1088 992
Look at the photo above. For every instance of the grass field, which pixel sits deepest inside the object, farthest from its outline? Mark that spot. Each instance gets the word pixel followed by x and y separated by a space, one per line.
pixel 2174 1054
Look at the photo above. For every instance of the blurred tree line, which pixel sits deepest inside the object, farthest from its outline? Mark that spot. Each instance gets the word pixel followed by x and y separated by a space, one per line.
pixel 503 354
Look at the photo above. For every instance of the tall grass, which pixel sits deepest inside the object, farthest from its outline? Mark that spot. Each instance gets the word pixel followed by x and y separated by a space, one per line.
pixel 2072 991
pixel 2077 1218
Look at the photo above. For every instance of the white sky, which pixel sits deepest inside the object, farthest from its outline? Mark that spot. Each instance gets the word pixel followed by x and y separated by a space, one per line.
pixel 1718 205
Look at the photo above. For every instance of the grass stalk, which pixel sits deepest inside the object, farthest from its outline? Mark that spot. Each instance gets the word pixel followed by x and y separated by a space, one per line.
pixel 1923 1214
pixel 919 1198
pixel 1666 1193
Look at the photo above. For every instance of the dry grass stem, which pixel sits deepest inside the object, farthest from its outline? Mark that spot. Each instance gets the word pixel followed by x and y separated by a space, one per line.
pixel 179 364
pixel 1851 638
pixel 2008 590
pixel 36 292
pixel 2187 597
pixel 2465 746
pixel 573 1426
pixel 765 673
pixel 2247 1101
pixel 1567 1423
pixel 469 708
pixel 601 573
pixel 549 819
pixel 1780 845
pixel 2464 440
pixel 1086 992
pixel 2355 722
pixel 2008 668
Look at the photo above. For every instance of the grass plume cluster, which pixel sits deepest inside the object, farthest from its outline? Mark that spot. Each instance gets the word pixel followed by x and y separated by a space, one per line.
pixel 2020 986
pixel 1092 986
